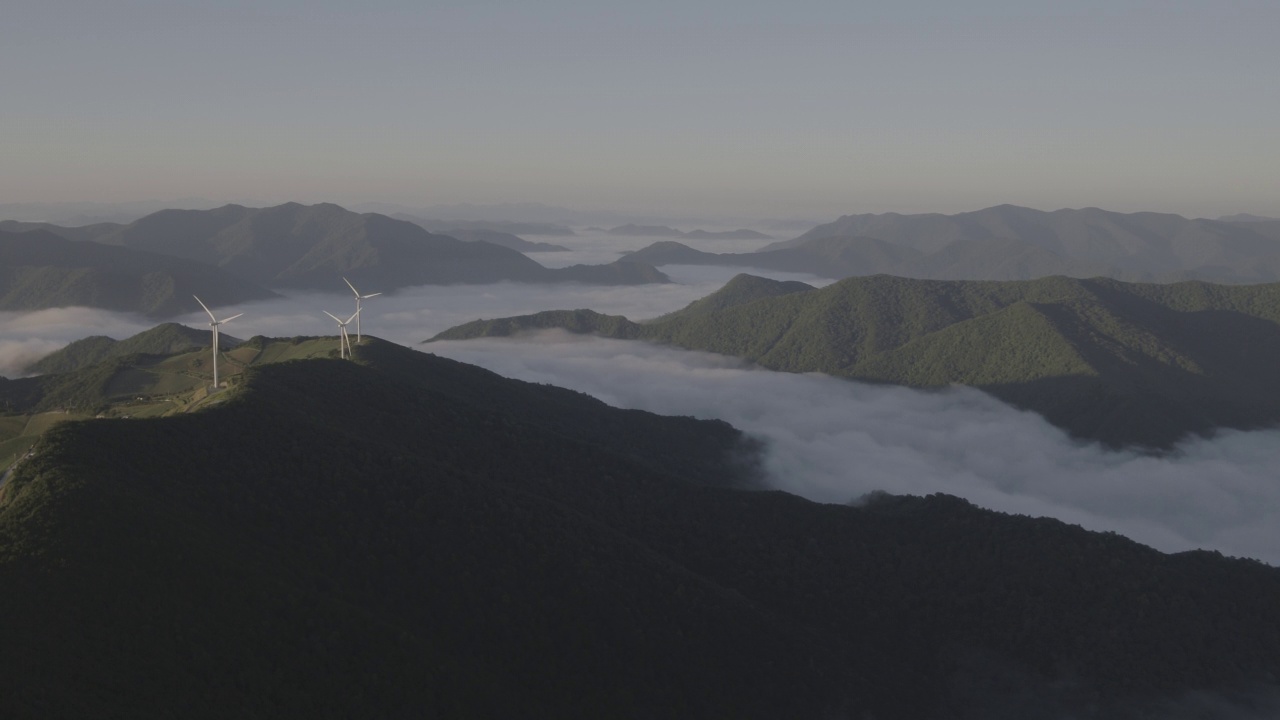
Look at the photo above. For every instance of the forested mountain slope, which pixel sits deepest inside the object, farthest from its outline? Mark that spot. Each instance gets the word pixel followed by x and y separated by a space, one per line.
pixel 1123 363
pixel 407 536
pixel 39 269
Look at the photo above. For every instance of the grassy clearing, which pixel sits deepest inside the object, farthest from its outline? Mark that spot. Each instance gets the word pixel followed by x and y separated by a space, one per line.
pixel 142 386
pixel 11 426
pixel 13 448
pixel 40 423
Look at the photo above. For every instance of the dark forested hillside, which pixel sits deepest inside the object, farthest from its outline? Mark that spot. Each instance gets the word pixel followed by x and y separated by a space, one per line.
pixel 39 269
pixel 407 536
pixel 1118 362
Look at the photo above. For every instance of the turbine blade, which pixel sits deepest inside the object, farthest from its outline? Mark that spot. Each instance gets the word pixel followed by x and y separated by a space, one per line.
pixel 353 317
pixel 366 297
pixel 206 308
pixel 353 287
pixel 335 317
pixel 233 317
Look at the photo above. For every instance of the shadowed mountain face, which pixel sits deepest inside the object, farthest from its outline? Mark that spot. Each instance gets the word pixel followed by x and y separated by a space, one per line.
pixel 410 536
pixel 1135 246
pixel 1111 361
pixel 39 269
pixel 315 246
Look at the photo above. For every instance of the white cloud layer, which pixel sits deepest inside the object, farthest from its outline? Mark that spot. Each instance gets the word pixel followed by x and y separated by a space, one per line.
pixel 829 440
pixel 407 316
pixel 832 440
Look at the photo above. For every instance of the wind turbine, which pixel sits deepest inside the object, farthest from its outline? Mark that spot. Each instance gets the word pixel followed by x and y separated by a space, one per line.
pixel 214 323
pixel 359 297
pixel 344 341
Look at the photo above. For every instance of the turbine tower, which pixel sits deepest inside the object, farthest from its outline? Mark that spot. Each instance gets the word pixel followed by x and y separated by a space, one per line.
pixel 359 297
pixel 344 340
pixel 214 323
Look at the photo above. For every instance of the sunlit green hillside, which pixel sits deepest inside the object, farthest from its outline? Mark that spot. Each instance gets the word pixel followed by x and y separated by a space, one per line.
pixel 133 385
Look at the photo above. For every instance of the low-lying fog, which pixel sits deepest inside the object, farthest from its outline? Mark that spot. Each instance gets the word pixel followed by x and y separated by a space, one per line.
pixel 832 440
pixel 829 440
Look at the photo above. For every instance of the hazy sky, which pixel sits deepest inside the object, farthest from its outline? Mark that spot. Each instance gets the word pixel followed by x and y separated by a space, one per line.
pixel 797 109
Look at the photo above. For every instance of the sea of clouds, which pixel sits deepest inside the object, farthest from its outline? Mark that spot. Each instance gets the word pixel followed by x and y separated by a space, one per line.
pixel 832 440
pixel 828 440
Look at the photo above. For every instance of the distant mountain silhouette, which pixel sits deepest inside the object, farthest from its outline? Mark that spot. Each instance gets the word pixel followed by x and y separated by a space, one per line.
pixel 1013 243
pixel 83 232
pixel 78 214
pixel 516 213
pixel 507 240
pixel 1246 217
pixel 823 257
pixel 39 269
pixel 740 234
pixel 1122 363
pixel 316 246
pixel 512 227
pixel 632 230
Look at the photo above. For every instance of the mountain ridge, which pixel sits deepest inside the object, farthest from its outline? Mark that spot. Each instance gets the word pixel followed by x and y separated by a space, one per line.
pixel 1121 363
pixel 633 230
pixel 406 535
pixel 163 339
pixel 315 246
pixel 1138 247
pixel 39 270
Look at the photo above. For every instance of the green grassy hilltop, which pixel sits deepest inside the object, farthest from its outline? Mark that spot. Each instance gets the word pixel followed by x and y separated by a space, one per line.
pixel 162 371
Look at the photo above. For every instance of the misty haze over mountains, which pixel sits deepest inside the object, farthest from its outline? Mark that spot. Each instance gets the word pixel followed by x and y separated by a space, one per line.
pixel 822 438
pixel 490 215
pixel 843 361
pixel 1013 243
pixel 248 249
pixel 1235 464
pixel 312 247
